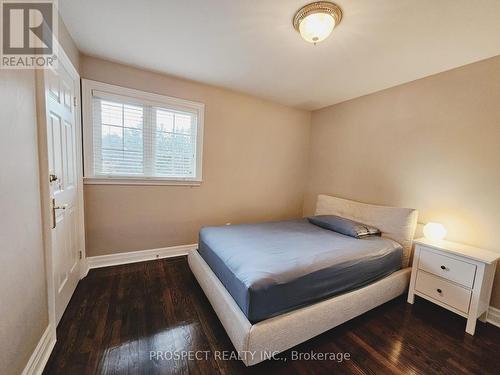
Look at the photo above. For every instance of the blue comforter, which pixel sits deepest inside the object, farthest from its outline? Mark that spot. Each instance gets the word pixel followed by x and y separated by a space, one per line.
pixel 274 267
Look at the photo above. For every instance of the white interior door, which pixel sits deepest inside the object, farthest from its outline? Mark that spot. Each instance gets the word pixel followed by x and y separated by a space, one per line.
pixel 62 140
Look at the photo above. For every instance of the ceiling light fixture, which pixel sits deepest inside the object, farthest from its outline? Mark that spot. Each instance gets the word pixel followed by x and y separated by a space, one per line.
pixel 316 21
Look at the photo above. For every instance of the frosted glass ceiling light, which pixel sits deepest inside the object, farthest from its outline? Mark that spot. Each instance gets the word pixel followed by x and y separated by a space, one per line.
pixel 316 21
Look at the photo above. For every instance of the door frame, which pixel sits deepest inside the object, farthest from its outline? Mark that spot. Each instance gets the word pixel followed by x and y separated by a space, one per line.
pixel 41 86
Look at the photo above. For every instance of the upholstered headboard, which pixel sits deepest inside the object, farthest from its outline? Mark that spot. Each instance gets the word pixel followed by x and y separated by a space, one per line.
pixel 396 223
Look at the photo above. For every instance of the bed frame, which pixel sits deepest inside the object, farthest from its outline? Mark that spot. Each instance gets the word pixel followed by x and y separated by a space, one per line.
pixel 260 341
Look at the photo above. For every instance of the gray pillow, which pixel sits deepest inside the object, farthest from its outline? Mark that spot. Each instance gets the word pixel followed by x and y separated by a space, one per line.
pixel 344 226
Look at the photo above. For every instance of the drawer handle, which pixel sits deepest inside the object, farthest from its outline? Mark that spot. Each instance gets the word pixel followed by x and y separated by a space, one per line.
pixel 439 290
pixel 444 268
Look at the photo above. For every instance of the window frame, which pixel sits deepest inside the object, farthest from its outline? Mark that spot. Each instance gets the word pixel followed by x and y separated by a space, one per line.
pixel 142 98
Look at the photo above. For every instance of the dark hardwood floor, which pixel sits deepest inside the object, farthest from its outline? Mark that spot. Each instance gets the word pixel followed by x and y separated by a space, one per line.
pixel 118 315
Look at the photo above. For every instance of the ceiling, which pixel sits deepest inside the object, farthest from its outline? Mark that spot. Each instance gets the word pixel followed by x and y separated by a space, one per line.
pixel 251 46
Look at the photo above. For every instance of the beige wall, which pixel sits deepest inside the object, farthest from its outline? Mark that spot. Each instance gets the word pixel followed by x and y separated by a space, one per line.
pixel 23 287
pixel 254 168
pixel 67 43
pixel 432 144
pixel 23 293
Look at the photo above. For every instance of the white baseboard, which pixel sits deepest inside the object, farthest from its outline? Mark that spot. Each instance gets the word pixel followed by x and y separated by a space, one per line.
pixel 493 316
pixel 41 354
pixel 84 268
pixel 138 256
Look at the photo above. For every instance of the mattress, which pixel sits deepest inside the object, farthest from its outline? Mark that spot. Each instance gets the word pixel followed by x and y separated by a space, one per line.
pixel 274 267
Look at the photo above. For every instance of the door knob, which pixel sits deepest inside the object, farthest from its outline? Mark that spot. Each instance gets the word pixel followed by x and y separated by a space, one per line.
pixel 52 177
pixel 54 208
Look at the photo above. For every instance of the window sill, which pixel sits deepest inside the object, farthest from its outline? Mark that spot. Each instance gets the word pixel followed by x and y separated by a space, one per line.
pixel 138 181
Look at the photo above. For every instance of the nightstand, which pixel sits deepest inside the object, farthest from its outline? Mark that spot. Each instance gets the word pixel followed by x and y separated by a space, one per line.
pixel 454 276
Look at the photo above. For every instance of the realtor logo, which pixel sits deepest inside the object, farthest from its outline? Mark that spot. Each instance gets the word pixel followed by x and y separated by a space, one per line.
pixel 28 34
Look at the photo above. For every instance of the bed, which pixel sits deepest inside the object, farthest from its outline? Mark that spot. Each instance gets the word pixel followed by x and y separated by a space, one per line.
pixel 275 285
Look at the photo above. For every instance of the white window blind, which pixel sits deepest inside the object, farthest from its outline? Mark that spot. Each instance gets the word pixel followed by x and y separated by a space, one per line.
pixel 134 137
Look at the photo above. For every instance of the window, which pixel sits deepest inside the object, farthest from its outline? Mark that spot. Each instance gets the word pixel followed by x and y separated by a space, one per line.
pixel 137 137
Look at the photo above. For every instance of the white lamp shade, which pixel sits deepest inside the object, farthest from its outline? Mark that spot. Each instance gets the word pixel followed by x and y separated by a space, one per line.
pixel 434 231
pixel 316 27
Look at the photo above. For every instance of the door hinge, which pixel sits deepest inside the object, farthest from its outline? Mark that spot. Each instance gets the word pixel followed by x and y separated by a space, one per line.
pixel 80 254
pixel 74 101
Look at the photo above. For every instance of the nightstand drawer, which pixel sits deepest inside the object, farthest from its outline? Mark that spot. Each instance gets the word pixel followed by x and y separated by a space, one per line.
pixel 443 291
pixel 461 272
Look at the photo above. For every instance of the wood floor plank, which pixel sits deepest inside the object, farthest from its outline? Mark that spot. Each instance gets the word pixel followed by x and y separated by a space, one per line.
pixel 121 317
